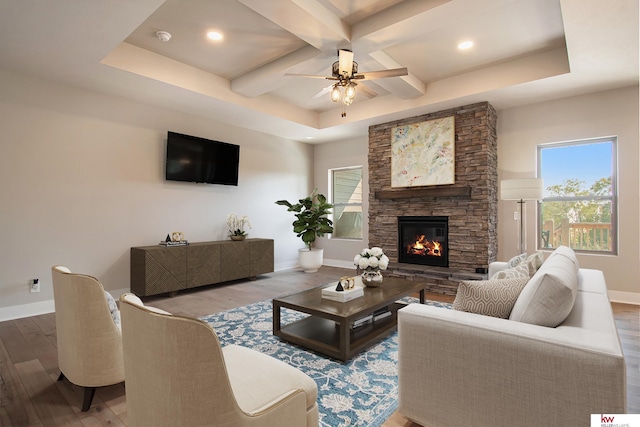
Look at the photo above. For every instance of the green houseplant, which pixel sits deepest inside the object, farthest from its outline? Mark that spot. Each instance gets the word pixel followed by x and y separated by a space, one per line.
pixel 311 222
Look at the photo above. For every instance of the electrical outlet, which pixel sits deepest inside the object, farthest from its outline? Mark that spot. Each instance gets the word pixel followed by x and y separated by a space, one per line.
pixel 35 286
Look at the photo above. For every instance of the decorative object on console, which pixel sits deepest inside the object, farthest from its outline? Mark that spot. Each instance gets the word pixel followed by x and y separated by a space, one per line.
pixel 311 222
pixel 346 283
pixel 521 190
pixel 237 225
pixel 178 243
pixel 174 239
pixel 423 153
pixel 345 294
pixel 371 261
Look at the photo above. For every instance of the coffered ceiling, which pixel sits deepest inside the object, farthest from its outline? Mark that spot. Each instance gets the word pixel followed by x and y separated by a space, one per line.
pixel 524 51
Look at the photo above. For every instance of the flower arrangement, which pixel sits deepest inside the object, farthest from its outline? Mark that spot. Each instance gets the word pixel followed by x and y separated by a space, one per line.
pixel 371 259
pixel 236 224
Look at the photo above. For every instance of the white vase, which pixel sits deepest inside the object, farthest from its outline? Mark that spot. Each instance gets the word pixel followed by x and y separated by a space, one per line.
pixel 310 260
pixel 372 278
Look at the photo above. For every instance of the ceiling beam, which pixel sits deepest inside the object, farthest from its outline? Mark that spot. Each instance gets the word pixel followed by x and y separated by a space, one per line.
pixel 392 25
pixel 306 19
pixel 404 87
pixel 269 77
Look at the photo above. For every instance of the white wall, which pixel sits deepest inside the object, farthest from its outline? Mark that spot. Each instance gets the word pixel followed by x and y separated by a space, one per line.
pixel 607 113
pixel 82 180
pixel 354 152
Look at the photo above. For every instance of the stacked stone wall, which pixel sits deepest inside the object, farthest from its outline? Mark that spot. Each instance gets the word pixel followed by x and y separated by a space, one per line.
pixel 472 219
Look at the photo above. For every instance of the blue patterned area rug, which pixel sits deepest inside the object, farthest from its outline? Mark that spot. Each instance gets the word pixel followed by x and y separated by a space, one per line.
pixel 362 392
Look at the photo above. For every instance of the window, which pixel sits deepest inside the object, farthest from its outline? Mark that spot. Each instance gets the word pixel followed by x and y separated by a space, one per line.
pixel 346 197
pixel 578 208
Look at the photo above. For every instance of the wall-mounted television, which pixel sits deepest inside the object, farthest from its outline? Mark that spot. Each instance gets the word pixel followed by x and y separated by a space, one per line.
pixel 194 159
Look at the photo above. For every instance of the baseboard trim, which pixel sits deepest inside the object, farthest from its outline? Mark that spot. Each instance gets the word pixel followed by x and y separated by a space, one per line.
pixel 26 310
pixel 624 297
pixel 339 263
pixel 41 307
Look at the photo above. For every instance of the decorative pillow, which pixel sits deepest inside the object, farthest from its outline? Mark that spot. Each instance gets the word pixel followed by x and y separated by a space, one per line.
pixel 534 262
pixel 113 308
pixel 537 259
pixel 516 260
pixel 521 270
pixel 549 296
pixel 489 297
pixel 135 300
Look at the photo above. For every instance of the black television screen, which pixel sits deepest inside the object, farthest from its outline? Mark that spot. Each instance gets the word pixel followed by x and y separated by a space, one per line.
pixel 194 159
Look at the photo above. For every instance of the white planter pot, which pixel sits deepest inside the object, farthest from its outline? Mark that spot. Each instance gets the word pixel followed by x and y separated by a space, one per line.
pixel 310 260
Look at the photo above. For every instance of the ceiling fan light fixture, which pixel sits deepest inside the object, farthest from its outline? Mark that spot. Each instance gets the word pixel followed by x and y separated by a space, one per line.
pixel 350 91
pixel 335 93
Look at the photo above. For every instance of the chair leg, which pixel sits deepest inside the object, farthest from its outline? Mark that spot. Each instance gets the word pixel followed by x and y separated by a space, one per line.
pixel 61 377
pixel 88 397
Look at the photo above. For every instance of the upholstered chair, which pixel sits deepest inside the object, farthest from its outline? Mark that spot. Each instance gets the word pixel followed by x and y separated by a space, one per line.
pixel 179 375
pixel 89 338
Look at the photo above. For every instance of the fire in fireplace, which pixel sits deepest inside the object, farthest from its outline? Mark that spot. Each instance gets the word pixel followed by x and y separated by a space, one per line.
pixel 423 240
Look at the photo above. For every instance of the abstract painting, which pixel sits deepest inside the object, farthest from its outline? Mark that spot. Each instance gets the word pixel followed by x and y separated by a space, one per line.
pixel 423 153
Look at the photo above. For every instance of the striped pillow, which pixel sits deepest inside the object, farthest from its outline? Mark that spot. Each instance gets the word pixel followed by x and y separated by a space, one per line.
pixel 494 297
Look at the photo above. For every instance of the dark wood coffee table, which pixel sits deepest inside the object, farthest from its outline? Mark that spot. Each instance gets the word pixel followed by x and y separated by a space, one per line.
pixel 328 330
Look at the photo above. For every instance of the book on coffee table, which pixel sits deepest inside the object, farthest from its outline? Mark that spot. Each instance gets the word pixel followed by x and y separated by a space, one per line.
pixel 330 293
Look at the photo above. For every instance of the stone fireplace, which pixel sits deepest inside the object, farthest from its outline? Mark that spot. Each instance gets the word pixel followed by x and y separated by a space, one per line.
pixel 470 204
pixel 423 240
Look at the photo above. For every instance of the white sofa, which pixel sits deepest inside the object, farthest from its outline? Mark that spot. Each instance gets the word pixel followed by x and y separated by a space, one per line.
pixel 458 368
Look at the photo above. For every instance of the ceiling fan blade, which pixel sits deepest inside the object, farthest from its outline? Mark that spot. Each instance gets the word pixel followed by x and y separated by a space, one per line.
pixel 366 91
pixel 345 59
pixel 381 74
pixel 323 92
pixel 310 76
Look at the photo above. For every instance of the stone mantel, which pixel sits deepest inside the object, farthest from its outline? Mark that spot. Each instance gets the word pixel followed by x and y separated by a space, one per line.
pixel 424 192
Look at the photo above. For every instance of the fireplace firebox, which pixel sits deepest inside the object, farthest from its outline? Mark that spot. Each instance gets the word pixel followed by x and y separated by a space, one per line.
pixel 423 240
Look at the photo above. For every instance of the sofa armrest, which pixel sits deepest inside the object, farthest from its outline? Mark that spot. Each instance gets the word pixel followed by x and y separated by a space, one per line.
pixel 458 368
pixel 496 266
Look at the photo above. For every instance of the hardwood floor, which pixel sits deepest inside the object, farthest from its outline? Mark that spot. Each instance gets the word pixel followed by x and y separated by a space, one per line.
pixel 31 396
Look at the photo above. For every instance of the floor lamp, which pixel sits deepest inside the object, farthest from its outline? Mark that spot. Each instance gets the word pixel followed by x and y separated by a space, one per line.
pixel 521 190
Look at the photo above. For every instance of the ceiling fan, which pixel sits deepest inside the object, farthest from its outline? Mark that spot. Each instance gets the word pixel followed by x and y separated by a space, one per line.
pixel 345 72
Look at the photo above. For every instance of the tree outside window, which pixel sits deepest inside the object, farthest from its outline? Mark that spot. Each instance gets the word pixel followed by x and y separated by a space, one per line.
pixel 579 205
pixel 346 197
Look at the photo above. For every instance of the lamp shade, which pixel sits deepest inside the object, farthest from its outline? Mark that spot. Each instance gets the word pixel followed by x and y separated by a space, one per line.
pixel 521 189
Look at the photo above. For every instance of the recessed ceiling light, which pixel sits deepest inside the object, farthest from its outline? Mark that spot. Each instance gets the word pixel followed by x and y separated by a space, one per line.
pixel 214 35
pixel 465 45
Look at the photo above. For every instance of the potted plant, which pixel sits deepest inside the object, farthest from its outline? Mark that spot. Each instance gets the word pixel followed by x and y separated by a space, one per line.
pixel 311 222
pixel 236 226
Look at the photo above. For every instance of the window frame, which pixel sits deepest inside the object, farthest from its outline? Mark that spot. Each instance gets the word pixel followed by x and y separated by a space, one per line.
pixel 332 200
pixel 613 198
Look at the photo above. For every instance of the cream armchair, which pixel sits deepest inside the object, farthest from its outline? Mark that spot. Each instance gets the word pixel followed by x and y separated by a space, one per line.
pixel 89 341
pixel 179 375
